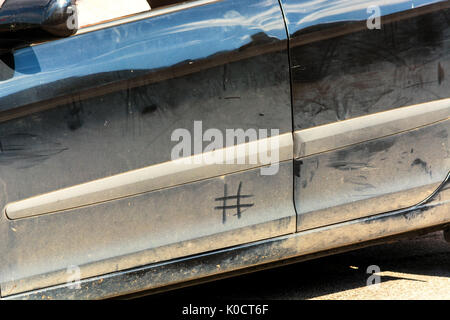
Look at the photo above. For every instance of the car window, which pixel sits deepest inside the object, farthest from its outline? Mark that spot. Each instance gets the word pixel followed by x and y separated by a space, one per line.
pixel 163 3
pixel 91 12
pixel 96 11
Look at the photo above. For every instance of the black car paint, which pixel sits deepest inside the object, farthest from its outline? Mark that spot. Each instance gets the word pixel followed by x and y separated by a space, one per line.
pixel 105 102
pixel 341 69
pixel 114 113
pixel 58 97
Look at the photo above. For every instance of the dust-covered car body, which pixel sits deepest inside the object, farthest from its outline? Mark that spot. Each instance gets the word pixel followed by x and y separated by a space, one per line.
pixel 117 167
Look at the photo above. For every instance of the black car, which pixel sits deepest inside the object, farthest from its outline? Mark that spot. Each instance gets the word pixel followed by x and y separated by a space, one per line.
pixel 183 141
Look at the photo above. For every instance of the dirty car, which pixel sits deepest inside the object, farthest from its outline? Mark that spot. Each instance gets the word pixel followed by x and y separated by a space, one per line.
pixel 184 141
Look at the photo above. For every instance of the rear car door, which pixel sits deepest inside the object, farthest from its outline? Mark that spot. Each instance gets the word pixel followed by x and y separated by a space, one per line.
pixel 88 129
pixel 371 105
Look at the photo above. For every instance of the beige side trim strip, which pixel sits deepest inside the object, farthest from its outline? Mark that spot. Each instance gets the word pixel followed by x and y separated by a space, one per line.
pixel 344 133
pixel 164 175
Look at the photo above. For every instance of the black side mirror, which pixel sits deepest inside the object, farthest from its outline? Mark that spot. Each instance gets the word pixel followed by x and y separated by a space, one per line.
pixel 25 21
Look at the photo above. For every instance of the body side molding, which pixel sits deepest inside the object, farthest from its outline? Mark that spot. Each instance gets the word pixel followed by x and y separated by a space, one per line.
pixel 357 130
pixel 155 177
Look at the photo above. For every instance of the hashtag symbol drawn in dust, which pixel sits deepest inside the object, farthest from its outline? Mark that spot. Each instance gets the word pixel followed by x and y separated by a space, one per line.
pixel 238 206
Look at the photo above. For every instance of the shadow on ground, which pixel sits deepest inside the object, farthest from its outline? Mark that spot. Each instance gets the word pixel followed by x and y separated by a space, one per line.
pixel 408 264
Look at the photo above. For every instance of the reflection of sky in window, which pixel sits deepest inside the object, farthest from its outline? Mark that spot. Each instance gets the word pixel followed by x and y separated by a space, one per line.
pixel 306 13
pixel 153 43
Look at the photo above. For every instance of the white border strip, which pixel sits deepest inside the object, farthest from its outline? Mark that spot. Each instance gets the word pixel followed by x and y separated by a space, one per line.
pixel 146 15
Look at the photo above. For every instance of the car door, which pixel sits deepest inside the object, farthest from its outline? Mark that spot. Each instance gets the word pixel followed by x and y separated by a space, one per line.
pixel 371 105
pixel 105 134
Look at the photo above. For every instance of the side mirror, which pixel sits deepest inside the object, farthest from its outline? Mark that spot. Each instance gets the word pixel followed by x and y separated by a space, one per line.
pixel 25 21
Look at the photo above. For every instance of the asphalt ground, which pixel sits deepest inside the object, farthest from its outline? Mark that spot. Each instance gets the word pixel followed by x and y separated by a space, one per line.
pixel 416 268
